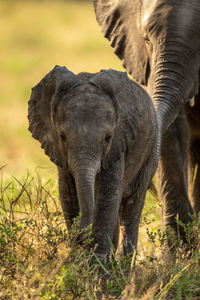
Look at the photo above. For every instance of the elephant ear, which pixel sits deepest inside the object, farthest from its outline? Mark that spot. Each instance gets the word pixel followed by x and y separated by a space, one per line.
pixel 124 93
pixel 121 26
pixel 40 109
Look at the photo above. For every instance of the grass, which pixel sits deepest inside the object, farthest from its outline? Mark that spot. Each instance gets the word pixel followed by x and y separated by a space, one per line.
pixel 39 259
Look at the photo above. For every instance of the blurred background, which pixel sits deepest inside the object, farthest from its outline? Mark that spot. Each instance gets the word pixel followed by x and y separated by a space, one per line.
pixel 34 37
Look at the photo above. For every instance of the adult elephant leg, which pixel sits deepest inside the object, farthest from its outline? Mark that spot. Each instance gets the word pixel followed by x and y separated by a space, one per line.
pixel 68 196
pixel 108 197
pixel 173 176
pixel 193 117
pixel 194 172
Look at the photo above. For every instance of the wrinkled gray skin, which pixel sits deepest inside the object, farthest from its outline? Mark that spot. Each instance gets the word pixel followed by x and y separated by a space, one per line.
pixel 158 42
pixel 101 131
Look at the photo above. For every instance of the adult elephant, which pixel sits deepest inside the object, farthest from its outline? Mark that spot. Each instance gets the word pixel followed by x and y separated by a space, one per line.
pixel 158 42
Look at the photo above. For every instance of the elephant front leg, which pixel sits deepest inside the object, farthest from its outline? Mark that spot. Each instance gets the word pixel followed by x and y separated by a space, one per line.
pixel 108 197
pixel 130 217
pixel 173 176
pixel 68 196
pixel 194 172
pixel 193 117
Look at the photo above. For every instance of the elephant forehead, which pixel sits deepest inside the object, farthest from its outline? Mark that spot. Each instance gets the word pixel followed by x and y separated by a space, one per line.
pixel 159 15
pixel 155 13
pixel 91 115
pixel 86 105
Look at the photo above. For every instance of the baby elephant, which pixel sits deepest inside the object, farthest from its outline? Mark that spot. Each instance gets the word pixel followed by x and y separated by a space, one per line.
pixel 101 131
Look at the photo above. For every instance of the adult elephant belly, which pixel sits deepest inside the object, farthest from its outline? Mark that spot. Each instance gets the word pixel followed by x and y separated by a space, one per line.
pixel 193 117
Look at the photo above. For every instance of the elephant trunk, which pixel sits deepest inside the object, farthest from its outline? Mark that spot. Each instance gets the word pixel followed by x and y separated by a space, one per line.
pixel 167 100
pixel 172 86
pixel 84 171
pixel 175 79
pixel 169 92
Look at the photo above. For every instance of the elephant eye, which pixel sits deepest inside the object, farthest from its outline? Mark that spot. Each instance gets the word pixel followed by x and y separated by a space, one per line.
pixel 63 137
pixel 107 139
